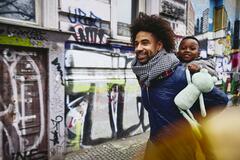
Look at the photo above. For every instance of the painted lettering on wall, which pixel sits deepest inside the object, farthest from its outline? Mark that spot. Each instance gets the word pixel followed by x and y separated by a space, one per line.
pixel 33 154
pixel 22 37
pixel 88 28
pixel 223 65
pixel 90 34
pixel 82 18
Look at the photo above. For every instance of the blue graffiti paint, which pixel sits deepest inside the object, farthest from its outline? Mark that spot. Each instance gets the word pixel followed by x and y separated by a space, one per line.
pixel 81 17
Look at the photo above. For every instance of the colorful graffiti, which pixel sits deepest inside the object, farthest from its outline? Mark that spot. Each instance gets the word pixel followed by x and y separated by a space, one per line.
pixel 75 119
pixel 32 154
pixel 90 34
pixel 228 68
pixel 99 106
pixel 22 37
pixel 22 103
pixel 88 28
pixel 82 18
pixel 115 104
pixel 223 65
pixel 83 107
pixel 226 44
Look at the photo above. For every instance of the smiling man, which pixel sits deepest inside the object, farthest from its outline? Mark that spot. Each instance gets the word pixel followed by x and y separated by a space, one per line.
pixel 161 78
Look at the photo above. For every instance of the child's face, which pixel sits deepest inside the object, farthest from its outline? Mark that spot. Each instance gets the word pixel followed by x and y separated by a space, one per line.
pixel 188 50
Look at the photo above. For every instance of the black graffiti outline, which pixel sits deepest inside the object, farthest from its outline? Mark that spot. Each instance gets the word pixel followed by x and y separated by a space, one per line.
pixel 58 65
pixel 33 154
pixel 91 34
pixel 140 111
pixel 56 123
pixel 76 15
pixel 33 34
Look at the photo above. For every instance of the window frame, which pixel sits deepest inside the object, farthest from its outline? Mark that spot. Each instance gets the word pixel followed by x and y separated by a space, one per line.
pixel 38 13
pixel 114 21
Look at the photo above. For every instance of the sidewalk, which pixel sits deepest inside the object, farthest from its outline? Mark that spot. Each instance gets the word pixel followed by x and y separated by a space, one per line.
pixel 131 148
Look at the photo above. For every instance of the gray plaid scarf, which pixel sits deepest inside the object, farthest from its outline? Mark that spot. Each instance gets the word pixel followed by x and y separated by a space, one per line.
pixel 161 62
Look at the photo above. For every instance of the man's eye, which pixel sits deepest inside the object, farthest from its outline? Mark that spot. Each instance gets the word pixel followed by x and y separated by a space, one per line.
pixel 145 43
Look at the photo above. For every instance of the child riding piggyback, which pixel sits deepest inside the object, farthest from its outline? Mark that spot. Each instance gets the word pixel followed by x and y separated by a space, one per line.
pixel 189 54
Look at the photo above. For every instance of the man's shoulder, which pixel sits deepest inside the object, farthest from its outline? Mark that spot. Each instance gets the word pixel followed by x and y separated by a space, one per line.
pixel 178 73
pixel 177 80
pixel 180 69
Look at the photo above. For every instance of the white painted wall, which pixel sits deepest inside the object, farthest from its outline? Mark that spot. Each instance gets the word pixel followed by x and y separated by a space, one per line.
pixel 152 7
pixel 50 14
pixel 91 59
pixel 100 9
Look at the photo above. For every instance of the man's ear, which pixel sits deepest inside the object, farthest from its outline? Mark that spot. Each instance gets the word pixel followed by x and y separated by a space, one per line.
pixel 160 45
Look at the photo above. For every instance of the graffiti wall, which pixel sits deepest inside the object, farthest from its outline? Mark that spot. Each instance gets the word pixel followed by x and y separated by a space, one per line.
pixel 32 93
pixel 12 35
pixel 86 20
pixel 228 68
pixel 56 92
pixel 216 17
pixel 23 104
pixel 102 98
pixel 217 30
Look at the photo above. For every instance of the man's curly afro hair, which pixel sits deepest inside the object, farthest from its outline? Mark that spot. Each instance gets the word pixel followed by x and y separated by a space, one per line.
pixel 159 27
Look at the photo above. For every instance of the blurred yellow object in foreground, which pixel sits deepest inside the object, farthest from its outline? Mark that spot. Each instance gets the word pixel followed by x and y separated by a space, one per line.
pixel 223 130
pixel 220 141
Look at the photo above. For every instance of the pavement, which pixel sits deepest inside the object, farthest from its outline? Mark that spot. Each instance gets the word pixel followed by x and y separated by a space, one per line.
pixel 130 148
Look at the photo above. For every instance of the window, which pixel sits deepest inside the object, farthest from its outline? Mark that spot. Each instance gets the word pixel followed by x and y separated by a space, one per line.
pixel 23 10
pixel 124 18
pixel 123 13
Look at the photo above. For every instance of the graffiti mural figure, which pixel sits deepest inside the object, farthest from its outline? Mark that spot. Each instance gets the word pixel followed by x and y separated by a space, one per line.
pixel 75 119
pixel 140 111
pixel 56 122
pixel 115 103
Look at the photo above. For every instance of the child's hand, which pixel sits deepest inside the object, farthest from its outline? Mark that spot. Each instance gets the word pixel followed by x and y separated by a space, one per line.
pixel 193 68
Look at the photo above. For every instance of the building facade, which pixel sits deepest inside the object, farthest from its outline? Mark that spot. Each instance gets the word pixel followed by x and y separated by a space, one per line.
pixel 65 77
pixel 66 80
pixel 217 28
